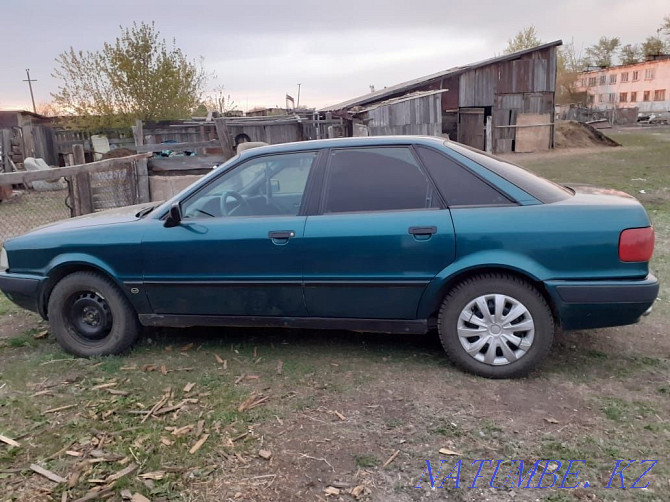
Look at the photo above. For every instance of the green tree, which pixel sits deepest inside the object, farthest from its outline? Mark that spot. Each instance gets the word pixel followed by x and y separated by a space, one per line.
pixel 525 39
pixel 602 53
pixel 139 76
pixel 630 54
pixel 653 46
pixel 665 27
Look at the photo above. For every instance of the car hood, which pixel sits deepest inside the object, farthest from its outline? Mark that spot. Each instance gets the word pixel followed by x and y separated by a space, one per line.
pixel 108 217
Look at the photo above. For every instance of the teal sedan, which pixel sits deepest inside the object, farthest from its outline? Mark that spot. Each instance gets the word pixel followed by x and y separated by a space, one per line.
pixel 385 234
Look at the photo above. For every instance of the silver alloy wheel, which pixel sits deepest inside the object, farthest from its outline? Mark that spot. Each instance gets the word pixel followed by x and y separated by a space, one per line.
pixel 496 329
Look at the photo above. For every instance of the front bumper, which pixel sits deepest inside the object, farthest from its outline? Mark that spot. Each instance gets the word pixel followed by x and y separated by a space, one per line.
pixel 24 290
pixel 600 304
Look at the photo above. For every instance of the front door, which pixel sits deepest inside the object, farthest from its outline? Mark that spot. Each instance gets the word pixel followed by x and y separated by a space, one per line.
pixel 238 248
pixel 380 236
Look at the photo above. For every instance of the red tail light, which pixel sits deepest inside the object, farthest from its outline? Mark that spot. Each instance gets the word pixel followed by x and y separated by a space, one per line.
pixel 636 244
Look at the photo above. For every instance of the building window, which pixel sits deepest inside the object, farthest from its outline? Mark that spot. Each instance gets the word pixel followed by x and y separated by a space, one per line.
pixel 592 81
pixel 602 98
pixel 645 95
pixel 649 73
pixel 636 76
pixel 613 79
pixel 612 97
pixel 624 77
pixel 623 97
pixel 603 79
pixel 659 95
pixel 633 97
pixel 591 98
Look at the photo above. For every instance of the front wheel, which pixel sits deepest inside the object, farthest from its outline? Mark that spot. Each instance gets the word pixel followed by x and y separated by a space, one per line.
pixel 496 326
pixel 90 316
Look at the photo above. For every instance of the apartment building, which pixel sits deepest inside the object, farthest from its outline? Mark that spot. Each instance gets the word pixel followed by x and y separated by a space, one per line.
pixel 643 85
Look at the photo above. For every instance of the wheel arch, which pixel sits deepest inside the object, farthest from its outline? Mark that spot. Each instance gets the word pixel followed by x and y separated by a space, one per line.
pixel 431 303
pixel 65 268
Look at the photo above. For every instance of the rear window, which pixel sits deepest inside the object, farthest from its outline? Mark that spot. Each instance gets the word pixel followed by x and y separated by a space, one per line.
pixel 542 189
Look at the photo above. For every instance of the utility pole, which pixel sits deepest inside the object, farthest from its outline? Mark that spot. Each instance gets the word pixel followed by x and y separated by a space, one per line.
pixel 298 103
pixel 30 84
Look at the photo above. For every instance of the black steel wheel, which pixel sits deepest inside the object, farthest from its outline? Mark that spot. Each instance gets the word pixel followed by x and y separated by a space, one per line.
pixel 90 316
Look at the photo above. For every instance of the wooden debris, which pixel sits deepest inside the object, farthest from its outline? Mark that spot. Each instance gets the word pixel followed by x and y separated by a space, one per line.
pixel 126 494
pixel 241 436
pixel 189 387
pixel 169 409
pixel 166 442
pixel 122 473
pixel 187 347
pixel 241 458
pixel 42 393
pixel 447 451
pixel 149 367
pixel 265 454
pixel 280 367
pixel 182 431
pixel 331 490
pixel 255 352
pixel 74 453
pixel 359 491
pixel 157 406
pixel 251 377
pixel 163 369
pixel 128 368
pixel 240 378
pixel 551 420
pixel 9 441
pixel 52 476
pixel 41 335
pixel 391 458
pixel 96 493
pixel 138 497
pixel 155 475
pixel 60 408
pixel 251 402
pixel 218 358
pixel 104 386
pixel 199 444
pixel 117 392
pixel 339 415
pixel 200 427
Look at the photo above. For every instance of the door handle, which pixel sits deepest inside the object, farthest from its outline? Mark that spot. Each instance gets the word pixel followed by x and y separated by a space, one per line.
pixel 281 234
pixel 422 230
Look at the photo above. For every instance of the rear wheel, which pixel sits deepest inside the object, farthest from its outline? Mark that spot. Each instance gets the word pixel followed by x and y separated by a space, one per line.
pixel 90 316
pixel 496 326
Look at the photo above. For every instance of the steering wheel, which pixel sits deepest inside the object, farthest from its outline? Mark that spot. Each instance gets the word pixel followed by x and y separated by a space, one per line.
pixel 241 202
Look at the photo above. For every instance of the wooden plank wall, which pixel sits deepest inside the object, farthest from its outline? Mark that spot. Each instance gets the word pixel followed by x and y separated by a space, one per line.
pixel 419 116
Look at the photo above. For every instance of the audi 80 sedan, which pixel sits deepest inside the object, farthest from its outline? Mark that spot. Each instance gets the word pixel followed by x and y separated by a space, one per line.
pixel 384 234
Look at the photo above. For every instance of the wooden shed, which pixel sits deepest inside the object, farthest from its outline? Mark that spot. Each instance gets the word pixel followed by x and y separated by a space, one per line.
pixel 25 134
pixel 503 104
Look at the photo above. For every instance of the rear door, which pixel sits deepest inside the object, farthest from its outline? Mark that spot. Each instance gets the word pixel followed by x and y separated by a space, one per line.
pixel 381 234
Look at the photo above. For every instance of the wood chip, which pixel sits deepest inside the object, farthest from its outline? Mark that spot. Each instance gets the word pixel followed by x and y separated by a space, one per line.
pixel 122 473
pixel 149 367
pixel 237 438
pixel 138 497
pixel 52 476
pixel 199 444
pixel 199 428
pixel 157 406
pixel 187 347
pixel 166 442
pixel 104 386
pixel 189 387
pixel 96 493
pixel 9 441
pixel 280 367
pixel 126 494
pixel 155 475
pixel 447 451
pixel 163 369
pixel 240 378
pixel 339 415
pixel 266 454
pixel 331 490
pixel 551 420
pixel 391 458
pixel 255 352
pixel 73 453
pixel 41 335
pixel 182 431
pixel 60 408
pixel 251 377
pixel 218 358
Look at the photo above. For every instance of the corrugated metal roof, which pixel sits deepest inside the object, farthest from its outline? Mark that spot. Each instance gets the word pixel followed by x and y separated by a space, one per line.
pixel 388 91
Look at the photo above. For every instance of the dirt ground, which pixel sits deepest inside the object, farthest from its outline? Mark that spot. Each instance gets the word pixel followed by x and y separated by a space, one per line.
pixel 349 416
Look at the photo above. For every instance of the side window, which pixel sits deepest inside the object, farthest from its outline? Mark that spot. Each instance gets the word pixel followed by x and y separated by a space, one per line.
pixel 262 186
pixel 376 179
pixel 459 186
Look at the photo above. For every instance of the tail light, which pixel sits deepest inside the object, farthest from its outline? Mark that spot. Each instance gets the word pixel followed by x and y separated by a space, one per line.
pixel 636 244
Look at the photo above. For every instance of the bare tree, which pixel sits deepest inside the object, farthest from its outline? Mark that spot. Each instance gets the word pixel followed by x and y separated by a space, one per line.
pixel 570 64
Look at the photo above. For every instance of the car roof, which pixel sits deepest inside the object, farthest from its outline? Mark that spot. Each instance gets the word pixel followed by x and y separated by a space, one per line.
pixel 319 144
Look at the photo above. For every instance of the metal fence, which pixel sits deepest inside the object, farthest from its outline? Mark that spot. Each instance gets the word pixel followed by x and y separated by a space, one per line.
pixel 28 208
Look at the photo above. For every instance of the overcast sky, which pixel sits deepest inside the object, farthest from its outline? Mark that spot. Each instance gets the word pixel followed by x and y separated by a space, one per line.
pixel 261 49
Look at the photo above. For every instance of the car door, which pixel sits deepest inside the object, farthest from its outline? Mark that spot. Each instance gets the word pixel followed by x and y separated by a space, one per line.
pixel 381 234
pixel 236 251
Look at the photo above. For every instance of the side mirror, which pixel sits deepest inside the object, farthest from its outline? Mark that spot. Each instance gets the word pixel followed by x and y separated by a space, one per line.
pixel 174 216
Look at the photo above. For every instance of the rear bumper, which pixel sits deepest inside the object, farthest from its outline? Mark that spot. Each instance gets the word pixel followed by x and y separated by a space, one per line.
pixel 23 290
pixel 599 304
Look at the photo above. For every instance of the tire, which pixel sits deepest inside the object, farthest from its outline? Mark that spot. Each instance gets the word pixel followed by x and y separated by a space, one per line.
pixel 90 316
pixel 499 346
